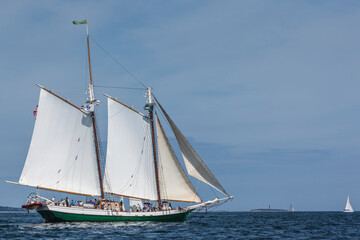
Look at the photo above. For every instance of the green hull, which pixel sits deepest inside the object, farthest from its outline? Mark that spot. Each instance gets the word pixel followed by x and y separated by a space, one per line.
pixel 53 216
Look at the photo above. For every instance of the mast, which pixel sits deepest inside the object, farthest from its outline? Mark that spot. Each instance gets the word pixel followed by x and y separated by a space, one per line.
pixel 92 101
pixel 150 108
pixel 90 105
pixel 97 155
pixel 91 87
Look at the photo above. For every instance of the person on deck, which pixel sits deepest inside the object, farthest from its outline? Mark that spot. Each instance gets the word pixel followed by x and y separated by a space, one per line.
pixel 67 201
pixel 97 204
pixel 121 205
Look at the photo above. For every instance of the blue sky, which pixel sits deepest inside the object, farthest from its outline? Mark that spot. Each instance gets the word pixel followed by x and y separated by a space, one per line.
pixel 266 91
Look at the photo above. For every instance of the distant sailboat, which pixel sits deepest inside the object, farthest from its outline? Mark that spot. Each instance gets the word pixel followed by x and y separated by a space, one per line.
pixel 348 207
pixel 291 208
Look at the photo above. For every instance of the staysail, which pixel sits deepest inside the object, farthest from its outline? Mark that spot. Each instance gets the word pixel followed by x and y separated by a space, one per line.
pixel 175 185
pixel 194 165
pixel 129 158
pixel 62 154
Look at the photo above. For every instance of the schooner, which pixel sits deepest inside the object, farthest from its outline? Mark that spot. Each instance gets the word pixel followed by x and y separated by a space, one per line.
pixel 141 165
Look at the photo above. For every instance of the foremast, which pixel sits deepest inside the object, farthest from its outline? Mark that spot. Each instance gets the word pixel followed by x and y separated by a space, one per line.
pixel 150 107
pixel 90 106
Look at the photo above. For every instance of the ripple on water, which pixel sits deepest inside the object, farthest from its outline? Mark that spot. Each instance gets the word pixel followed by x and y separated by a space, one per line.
pixel 244 225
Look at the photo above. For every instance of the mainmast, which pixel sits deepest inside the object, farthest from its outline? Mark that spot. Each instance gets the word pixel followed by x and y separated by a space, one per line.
pixel 150 107
pixel 90 106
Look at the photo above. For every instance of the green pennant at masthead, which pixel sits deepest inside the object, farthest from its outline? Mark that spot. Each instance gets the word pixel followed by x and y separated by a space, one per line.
pixel 82 22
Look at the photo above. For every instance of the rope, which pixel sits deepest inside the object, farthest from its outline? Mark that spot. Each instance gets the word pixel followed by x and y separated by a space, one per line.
pixel 97 86
pixel 122 66
pixel 213 191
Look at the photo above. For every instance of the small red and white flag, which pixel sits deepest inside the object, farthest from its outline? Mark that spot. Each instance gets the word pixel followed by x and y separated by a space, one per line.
pixel 35 111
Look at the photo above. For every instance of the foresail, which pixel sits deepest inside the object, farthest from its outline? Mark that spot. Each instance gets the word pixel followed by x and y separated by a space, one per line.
pixel 194 165
pixel 129 158
pixel 62 154
pixel 175 185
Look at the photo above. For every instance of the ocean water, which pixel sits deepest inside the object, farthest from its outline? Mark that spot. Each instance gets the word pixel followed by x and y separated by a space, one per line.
pixel 212 225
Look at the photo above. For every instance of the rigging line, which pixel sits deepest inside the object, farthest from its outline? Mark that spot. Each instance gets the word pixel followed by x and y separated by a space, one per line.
pixel 118 62
pixel 196 189
pixel 120 87
pixel 216 205
pixel 213 191
pixel 163 115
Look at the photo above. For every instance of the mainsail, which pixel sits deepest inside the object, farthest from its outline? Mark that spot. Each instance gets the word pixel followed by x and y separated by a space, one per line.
pixel 129 159
pixel 62 154
pixel 175 185
pixel 194 165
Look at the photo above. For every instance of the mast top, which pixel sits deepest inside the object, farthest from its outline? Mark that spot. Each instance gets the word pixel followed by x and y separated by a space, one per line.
pixel 149 103
pixel 91 97
pixel 149 96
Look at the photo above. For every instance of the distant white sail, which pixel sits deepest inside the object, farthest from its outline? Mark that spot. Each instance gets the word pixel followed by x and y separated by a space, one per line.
pixel 62 154
pixel 348 207
pixel 194 165
pixel 175 185
pixel 129 158
pixel 291 208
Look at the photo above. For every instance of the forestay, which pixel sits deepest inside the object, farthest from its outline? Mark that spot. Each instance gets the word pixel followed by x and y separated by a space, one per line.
pixel 129 159
pixel 194 165
pixel 62 151
pixel 175 185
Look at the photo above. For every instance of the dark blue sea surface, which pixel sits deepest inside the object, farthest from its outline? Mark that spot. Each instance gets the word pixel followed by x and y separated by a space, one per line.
pixel 213 225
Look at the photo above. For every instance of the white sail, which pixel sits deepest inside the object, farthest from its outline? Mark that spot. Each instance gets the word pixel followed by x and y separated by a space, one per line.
pixel 62 154
pixel 348 207
pixel 292 209
pixel 194 165
pixel 129 159
pixel 175 185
